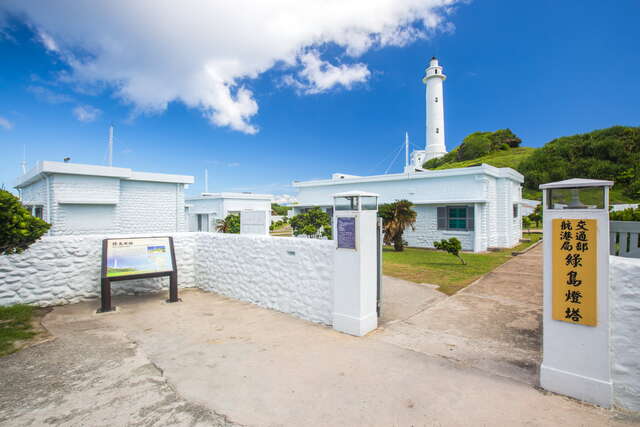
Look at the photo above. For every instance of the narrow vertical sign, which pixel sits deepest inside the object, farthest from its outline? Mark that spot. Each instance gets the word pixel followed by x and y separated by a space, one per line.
pixel 346 233
pixel 575 281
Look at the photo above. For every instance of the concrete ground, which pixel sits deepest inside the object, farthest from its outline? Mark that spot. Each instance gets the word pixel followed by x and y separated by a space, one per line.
pixel 211 360
pixel 493 324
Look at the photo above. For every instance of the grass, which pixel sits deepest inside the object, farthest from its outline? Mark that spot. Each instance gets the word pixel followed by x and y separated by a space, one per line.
pixel 15 325
pixel 445 270
pixel 501 159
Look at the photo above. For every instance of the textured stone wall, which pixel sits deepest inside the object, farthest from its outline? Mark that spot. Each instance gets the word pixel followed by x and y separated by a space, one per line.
pixel 426 230
pixel 286 274
pixel 101 205
pixel 65 216
pixel 151 207
pixel 625 331
pixel 66 269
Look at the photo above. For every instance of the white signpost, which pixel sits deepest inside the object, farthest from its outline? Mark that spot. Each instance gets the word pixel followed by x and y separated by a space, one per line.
pixel 355 280
pixel 576 353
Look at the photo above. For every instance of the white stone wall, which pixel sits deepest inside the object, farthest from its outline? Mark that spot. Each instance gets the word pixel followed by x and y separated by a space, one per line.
pixel 426 230
pixel 36 194
pixel 100 205
pixel 66 269
pixel 286 274
pixel 151 207
pixel 625 331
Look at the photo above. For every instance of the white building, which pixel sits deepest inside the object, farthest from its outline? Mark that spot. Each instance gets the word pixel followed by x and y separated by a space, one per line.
pixel 88 199
pixel 205 210
pixel 479 205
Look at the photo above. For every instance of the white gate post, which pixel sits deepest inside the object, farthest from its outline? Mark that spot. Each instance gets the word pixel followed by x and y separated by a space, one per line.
pixel 576 359
pixel 355 280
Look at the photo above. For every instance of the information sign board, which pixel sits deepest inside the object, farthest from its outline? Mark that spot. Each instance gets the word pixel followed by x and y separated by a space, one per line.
pixel 126 257
pixel 574 271
pixel 346 232
pixel 137 258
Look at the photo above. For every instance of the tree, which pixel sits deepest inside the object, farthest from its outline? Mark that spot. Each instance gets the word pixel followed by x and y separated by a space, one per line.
pixel 536 215
pixel 314 223
pixel 629 214
pixel 277 209
pixel 452 246
pixel 231 224
pixel 18 228
pixel 396 217
pixel 526 223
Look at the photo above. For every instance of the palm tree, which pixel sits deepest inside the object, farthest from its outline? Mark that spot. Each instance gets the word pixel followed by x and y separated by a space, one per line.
pixel 231 224
pixel 396 217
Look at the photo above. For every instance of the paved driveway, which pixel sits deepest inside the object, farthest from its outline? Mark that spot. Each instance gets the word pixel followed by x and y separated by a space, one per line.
pixel 214 361
pixel 493 324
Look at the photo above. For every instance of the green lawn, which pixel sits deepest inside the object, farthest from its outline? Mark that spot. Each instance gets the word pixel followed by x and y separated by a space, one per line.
pixel 15 325
pixel 445 270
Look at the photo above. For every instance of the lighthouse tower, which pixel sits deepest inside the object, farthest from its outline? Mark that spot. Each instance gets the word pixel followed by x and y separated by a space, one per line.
pixel 435 111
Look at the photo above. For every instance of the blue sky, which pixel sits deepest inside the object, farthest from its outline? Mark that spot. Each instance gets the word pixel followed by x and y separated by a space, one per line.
pixel 544 69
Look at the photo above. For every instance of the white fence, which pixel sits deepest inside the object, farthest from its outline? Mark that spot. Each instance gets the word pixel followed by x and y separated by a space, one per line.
pixel 624 240
pixel 286 274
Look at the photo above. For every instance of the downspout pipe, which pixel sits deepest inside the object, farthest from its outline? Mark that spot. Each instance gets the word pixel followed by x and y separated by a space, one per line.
pixel 47 182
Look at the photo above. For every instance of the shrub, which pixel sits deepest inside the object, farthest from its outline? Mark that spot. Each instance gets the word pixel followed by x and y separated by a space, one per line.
pixel 452 246
pixel 314 223
pixel 396 217
pixel 18 228
pixel 630 214
pixel 231 224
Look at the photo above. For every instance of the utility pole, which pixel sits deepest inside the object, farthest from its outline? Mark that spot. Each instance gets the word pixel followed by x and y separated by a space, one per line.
pixel 110 148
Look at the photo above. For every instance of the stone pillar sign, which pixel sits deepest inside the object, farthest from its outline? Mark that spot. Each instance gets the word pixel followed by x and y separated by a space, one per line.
pixel 576 286
pixel 355 281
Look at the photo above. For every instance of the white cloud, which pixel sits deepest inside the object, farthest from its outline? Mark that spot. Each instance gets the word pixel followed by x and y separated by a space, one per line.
pixel 319 76
pixel 49 96
pixel 205 54
pixel 86 113
pixel 5 123
pixel 284 198
pixel 233 164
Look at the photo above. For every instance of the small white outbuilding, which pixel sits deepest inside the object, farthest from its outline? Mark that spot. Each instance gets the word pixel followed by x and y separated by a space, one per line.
pixel 205 210
pixel 90 199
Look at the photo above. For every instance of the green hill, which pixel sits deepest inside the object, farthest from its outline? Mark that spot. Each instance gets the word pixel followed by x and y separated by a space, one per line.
pixel 612 153
pixel 501 159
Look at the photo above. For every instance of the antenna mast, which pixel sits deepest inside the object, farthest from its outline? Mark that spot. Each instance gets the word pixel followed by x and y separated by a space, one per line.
pixel 206 180
pixel 110 149
pixel 23 163
pixel 406 149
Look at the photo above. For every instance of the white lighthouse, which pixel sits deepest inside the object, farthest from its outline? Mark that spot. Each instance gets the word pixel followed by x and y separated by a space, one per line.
pixel 435 110
pixel 435 146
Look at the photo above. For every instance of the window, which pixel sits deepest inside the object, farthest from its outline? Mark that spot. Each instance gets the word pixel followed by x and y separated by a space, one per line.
pixel 436 99
pixel 203 222
pixel 37 212
pixel 457 218
pixel 436 71
pixel 348 203
pixel 437 130
pixel 515 210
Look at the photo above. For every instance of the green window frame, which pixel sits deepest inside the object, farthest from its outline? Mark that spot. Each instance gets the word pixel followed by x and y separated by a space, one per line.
pixel 456 218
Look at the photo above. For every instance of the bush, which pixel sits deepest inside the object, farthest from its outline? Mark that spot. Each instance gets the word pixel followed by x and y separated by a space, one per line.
pixel 396 217
pixel 231 224
pixel 18 228
pixel 611 154
pixel 276 209
pixel 630 214
pixel 314 223
pixel 452 246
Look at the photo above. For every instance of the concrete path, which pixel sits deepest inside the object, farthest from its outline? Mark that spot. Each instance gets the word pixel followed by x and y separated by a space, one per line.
pixel 493 324
pixel 190 363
